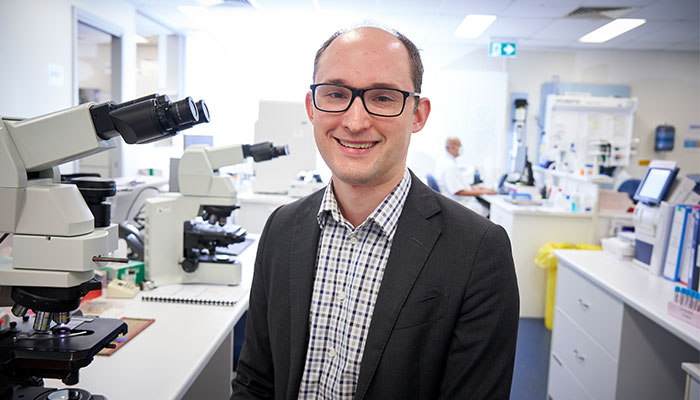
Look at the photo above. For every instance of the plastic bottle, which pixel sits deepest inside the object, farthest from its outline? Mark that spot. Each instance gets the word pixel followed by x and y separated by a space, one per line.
pixel 559 200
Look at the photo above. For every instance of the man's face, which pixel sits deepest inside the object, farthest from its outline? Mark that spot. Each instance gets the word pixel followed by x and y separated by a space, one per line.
pixel 363 149
pixel 454 147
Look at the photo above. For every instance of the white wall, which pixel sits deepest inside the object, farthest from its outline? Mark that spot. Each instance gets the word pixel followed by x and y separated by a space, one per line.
pixel 37 34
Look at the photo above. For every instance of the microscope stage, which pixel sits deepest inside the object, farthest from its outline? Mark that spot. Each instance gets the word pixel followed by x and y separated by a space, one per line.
pixel 56 355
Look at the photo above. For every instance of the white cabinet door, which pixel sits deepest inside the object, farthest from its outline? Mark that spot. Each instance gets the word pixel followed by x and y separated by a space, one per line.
pixel 596 312
pixel 562 385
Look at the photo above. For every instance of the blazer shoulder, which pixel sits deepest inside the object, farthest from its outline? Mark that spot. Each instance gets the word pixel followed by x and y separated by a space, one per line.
pixel 287 213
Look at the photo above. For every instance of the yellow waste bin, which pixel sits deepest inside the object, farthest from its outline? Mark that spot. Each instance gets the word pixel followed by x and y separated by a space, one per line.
pixel 545 259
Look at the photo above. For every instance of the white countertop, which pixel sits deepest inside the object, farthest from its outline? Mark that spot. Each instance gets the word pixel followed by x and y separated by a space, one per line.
pixel 502 202
pixel 634 285
pixel 164 359
pixel 545 211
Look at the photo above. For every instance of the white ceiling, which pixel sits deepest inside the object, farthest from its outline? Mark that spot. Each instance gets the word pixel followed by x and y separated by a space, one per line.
pixel 542 24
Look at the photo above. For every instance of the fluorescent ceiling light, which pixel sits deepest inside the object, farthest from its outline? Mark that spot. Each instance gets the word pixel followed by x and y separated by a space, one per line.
pixel 473 26
pixel 612 29
pixel 140 39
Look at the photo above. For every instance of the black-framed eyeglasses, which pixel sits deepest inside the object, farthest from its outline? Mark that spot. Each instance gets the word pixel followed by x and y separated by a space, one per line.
pixel 383 102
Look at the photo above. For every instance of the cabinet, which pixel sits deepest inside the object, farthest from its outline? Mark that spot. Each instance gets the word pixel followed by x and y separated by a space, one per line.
pixel 612 338
pixel 530 227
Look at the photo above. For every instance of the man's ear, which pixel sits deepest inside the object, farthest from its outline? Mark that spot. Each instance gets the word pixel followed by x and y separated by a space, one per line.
pixel 420 115
pixel 309 107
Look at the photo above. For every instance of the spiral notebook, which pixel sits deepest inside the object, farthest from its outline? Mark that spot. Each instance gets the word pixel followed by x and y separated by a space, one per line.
pixel 215 295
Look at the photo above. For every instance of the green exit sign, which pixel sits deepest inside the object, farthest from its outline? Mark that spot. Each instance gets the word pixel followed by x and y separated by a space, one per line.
pixel 499 49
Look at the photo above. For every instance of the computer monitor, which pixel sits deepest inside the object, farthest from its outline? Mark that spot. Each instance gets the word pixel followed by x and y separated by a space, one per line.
pixel 198 139
pixel 655 185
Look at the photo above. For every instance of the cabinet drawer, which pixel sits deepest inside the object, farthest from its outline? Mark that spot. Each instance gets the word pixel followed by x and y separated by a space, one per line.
pixel 598 313
pixel 561 385
pixel 587 361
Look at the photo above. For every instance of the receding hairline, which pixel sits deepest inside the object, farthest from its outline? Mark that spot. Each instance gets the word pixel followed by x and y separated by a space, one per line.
pixel 452 140
pixel 412 52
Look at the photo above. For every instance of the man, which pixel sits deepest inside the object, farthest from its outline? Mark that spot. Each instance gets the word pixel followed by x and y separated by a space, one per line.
pixel 377 287
pixel 454 184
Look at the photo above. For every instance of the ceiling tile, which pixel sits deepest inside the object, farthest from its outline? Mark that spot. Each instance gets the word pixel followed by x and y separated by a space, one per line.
pixel 675 32
pixel 340 4
pixel 422 7
pixel 668 9
pixel 517 27
pixel 569 28
pixel 615 3
pixel 540 8
pixel 269 4
pixel 462 7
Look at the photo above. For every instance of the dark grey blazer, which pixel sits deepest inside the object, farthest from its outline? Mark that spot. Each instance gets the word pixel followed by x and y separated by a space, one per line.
pixel 444 324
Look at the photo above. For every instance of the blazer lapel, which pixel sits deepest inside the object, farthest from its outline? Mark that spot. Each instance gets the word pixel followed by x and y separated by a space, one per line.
pixel 302 262
pixel 413 242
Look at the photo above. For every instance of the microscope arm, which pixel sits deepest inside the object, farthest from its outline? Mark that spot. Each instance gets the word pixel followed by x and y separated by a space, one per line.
pixel 197 172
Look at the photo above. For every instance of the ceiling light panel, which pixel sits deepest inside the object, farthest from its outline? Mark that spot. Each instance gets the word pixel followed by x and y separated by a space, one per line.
pixel 670 10
pixel 518 27
pixel 568 29
pixel 473 26
pixel 612 29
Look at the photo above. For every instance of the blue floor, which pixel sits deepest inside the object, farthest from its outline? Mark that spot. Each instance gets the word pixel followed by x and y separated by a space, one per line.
pixel 531 360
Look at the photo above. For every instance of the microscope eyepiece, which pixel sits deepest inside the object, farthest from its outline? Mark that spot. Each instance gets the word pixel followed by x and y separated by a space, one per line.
pixel 264 151
pixel 183 112
pixel 203 111
pixel 148 118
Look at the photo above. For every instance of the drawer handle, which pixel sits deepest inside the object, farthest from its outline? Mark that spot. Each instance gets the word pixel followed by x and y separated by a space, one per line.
pixel 556 359
pixel 579 356
pixel 583 304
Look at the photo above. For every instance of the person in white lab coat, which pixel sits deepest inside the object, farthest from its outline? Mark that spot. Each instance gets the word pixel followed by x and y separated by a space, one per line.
pixel 454 183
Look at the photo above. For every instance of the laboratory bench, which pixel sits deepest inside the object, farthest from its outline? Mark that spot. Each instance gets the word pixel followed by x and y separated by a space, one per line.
pixel 530 227
pixel 187 353
pixel 612 335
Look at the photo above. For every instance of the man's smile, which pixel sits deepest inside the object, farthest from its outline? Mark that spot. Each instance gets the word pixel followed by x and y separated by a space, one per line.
pixel 362 145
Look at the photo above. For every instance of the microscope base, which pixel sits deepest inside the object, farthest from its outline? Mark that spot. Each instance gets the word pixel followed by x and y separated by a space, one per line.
pixel 42 393
pixel 216 273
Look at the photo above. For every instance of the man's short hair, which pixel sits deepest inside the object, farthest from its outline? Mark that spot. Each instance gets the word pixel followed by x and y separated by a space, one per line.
pixel 413 54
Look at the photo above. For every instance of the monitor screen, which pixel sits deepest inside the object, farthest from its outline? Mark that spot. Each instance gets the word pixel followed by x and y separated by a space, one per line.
pixel 656 183
pixel 198 139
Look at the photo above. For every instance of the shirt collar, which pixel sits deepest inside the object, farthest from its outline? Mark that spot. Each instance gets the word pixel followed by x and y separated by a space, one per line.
pixel 385 216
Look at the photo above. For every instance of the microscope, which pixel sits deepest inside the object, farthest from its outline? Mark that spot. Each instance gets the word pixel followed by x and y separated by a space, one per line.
pixel 188 234
pixel 62 234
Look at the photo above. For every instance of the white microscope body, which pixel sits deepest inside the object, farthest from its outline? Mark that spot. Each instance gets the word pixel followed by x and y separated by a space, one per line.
pixel 202 188
pixel 54 236
pixel 56 245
